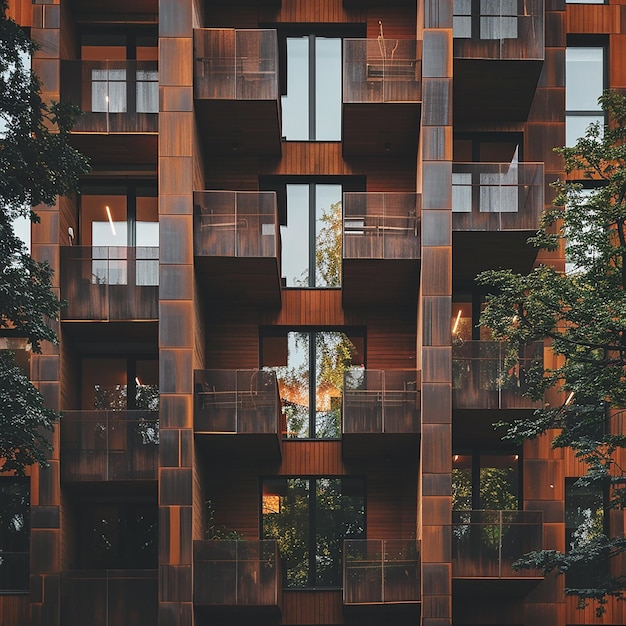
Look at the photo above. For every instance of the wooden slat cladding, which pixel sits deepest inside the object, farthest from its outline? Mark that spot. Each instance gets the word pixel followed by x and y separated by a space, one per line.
pixel 301 158
pixel 312 607
pixel 318 12
pixel 14 610
pixel 391 350
pixel 396 22
pixel 593 18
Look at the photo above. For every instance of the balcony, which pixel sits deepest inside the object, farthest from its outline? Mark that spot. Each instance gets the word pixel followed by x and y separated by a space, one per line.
pixel 109 445
pixel 237 579
pixel 109 597
pixel 485 544
pixel 384 573
pixel 480 379
pixel 381 248
pixel 498 56
pixel 495 208
pixel 382 93
pixel 236 90
pixel 237 246
pixel 114 96
pixel 381 412
pixel 109 283
pixel 245 403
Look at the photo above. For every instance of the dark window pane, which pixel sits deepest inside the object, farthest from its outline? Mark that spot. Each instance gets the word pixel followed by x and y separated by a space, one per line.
pixel 14 533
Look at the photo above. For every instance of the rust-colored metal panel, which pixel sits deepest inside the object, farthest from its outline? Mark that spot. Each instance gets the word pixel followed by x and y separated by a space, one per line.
pixel 437 270
pixel 543 480
pixel 593 18
pixel 176 62
pixel 175 486
pixel 305 607
pixel 436 457
pixel 176 373
pixel 15 610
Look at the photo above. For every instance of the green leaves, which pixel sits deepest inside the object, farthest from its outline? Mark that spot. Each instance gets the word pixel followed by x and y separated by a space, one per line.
pixel 582 317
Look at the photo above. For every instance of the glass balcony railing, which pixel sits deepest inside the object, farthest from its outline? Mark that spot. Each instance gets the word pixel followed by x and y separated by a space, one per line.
pixel 109 445
pixel 381 225
pixel 236 64
pixel 114 96
pixel 381 401
pixel 236 224
pixel 109 597
pixel 497 196
pixel 236 573
pixel 378 571
pixel 481 380
pixel 109 283
pixel 502 29
pixel 237 401
pixel 382 70
pixel 485 544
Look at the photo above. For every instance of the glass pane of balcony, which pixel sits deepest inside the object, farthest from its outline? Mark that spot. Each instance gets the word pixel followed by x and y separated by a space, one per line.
pixel 381 401
pixel 381 225
pixel 485 544
pixel 378 571
pixel 382 70
pixel 480 378
pixel 235 224
pixel 497 196
pixel 236 64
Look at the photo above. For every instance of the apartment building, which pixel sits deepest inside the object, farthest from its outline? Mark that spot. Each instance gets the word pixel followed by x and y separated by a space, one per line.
pixel 277 403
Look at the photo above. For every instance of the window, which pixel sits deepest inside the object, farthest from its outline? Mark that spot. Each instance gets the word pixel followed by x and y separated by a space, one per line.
pixel 120 384
pixel 123 73
pixel 485 481
pixel 584 83
pixel 115 218
pixel 311 237
pixel 584 521
pixel 117 535
pixel 311 104
pixel 490 19
pixel 310 518
pixel 309 366
pixel 14 533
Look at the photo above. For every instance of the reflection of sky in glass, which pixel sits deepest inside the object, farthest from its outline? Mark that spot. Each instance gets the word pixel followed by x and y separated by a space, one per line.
pixel 327 89
pixel 584 78
pixel 295 105
pixel 576 125
pixel 295 236
pixel 102 234
pixel 21 227
pixel 147 234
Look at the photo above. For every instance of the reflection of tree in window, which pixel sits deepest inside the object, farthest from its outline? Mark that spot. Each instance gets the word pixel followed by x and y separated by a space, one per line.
pixel 313 377
pixel 14 533
pixel 309 518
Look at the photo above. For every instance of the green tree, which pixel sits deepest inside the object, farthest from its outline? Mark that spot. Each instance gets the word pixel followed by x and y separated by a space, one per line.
pixel 582 314
pixel 37 164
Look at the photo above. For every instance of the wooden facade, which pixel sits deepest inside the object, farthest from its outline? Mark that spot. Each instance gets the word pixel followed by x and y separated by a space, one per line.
pixel 413 232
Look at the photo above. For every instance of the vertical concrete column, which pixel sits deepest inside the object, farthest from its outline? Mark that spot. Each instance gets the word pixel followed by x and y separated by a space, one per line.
pixel 435 312
pixel 45 482
pixel 176 318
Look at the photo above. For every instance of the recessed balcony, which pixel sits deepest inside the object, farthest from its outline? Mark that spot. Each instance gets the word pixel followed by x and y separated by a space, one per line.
pixel 381 573
pixel 237 246
pixel 105 597
pixel 482 380
pixel 381 247
pixel 114 96
pixel 103 283
pixel 109 446
pixel 382 93
pixel 236 90
pixel 498 55
pixel 485 544
pixel 238 414
pixel 237 578
pixel 381 412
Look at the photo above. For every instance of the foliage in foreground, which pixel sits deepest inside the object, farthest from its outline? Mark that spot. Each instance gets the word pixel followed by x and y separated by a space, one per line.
pixel 582 314
pixel 37 164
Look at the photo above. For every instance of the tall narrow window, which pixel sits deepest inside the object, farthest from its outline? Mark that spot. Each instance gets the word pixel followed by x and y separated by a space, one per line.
pixel 311 107
pixel 309 366
pixel 584 83
pixel 14 534
pixel 310 518
pixel 311 238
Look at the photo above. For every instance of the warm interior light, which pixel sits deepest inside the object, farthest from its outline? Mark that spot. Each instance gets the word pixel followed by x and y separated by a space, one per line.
pixel 111 221
pixel 456 322
pixel 456 458
pixel 569 398
pixel 515 457
pixel 137 381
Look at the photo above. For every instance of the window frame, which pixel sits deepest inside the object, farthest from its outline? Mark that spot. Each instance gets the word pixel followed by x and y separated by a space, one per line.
pixel 312 529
